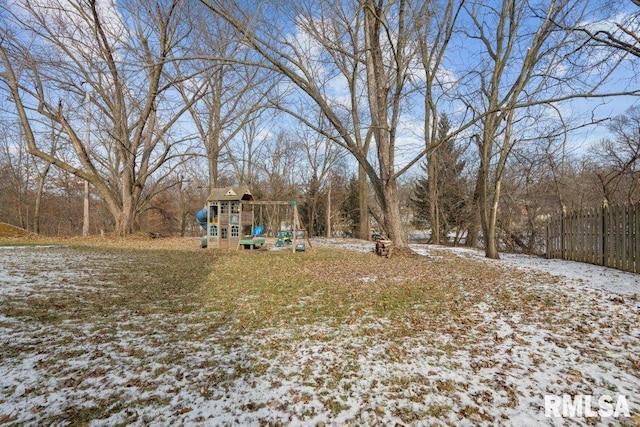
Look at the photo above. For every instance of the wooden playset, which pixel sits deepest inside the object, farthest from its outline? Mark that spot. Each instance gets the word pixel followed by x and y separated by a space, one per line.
pixel 230 222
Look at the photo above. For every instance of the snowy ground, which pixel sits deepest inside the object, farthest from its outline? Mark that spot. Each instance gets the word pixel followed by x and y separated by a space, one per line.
pixel 166 370
pixel 579 274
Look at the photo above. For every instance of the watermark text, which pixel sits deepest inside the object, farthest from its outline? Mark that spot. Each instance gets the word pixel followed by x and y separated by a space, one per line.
pixel 584 405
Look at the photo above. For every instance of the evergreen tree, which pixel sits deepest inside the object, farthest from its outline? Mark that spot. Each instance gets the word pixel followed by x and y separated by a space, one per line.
pixel 450 189
pixel 420 199
pixel 351 207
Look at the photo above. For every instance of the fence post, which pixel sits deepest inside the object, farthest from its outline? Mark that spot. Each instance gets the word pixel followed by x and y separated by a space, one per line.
pixel 548 233
pixel 562 232
pixel 625 236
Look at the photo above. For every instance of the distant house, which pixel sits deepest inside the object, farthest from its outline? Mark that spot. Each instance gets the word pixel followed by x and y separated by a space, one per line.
pixel 229 216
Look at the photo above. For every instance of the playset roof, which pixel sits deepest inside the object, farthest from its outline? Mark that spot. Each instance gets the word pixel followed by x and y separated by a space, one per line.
pixel 230 193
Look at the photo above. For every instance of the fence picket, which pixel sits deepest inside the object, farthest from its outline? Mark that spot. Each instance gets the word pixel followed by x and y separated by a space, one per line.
pixel 608 236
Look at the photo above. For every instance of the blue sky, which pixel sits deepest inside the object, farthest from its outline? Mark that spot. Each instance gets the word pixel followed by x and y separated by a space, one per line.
pixel 463 54
pixel 466 53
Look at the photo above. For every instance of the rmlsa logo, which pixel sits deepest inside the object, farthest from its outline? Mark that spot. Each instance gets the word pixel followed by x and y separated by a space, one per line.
pixel 582 405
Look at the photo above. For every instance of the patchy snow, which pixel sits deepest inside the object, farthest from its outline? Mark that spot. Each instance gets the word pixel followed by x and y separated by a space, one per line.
pixel 348 244
pixel 577 273
pixel 167 370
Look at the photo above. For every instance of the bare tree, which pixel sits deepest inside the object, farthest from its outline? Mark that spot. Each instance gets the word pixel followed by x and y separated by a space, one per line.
pixel 373 36
pixel 48 54
pixel 236 91
pixel 617 164
pixel 17 167
pixel 621 34
pixel 243 152
pixel 524 63
pixel 43 172
pixel 529 196
pixel 435 24
pixel 279 167
pixel 321 156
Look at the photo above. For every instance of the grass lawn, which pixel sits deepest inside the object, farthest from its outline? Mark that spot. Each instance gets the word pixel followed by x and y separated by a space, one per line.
pixel 110 332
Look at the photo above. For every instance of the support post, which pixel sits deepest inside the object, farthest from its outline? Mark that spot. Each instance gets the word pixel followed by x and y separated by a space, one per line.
pixel 87 137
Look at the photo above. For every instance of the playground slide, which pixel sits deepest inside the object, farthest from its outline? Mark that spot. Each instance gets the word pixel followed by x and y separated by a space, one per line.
pixel 201 217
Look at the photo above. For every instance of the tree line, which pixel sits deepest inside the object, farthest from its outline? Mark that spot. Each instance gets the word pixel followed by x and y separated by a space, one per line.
pixel 458 116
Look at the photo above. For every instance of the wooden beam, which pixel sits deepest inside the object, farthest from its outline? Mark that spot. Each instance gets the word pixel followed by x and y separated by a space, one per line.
pixel 268 202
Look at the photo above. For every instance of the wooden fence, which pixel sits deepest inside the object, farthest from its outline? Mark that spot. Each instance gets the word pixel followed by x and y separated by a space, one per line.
pixel 608 236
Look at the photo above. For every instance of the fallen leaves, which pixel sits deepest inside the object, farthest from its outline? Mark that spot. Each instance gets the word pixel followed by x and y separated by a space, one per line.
pixel 328 337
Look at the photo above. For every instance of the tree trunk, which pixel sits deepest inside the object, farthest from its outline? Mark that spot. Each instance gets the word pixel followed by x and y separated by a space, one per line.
pixel 85 210
pixel 311 229
pixel 474 217
pixel 24 222
pixel 363 201
pixel 125 221
pixel 489 216
pixel 378 94
pixel 36 213
pixel 126 217
pixel 213 169
pixel 183 209
pixel 392 216
pixel 434 216
pixel 488 211
pixel 490 241
pixel 492 249
pixel 328 220
pixel 183 223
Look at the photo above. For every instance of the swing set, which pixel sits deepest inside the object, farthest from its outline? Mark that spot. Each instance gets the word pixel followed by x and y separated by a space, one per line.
pixel 281 220
pixel 229 219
